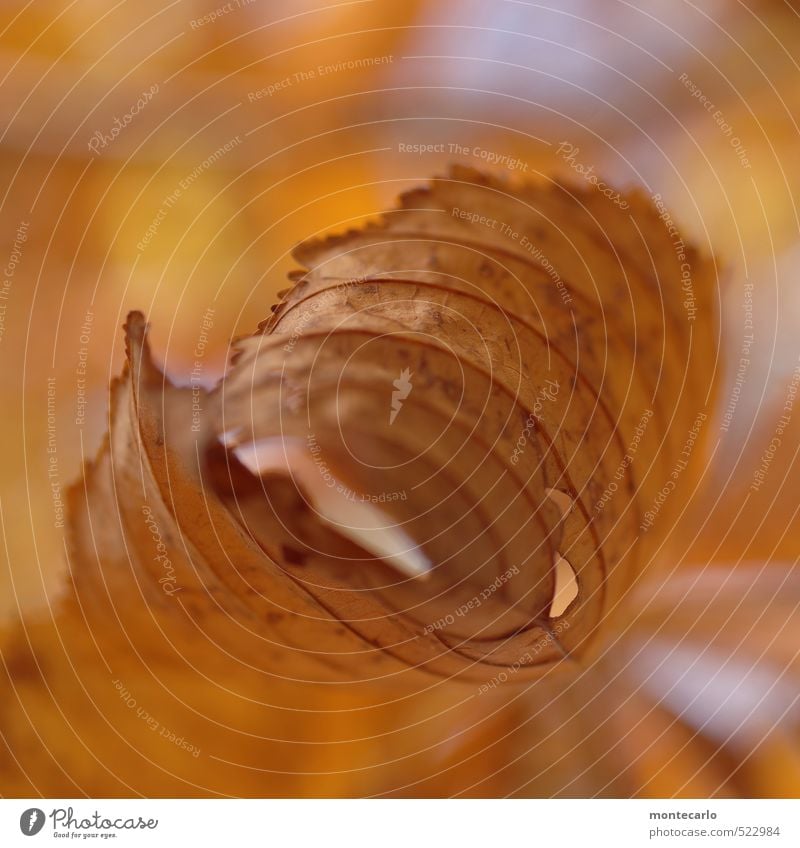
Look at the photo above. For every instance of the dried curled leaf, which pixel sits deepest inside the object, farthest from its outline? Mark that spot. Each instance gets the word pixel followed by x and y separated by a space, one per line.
pixel 437 471
pixel 516 393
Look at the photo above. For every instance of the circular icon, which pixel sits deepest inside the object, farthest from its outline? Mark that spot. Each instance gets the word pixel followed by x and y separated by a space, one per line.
pixel 31 821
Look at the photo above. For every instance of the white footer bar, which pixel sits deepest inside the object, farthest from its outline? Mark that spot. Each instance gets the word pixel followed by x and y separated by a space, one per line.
pixel 401 823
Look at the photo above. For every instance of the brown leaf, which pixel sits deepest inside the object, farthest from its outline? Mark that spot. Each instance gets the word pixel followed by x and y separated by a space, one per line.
pixel 434 476
pixel 527 384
